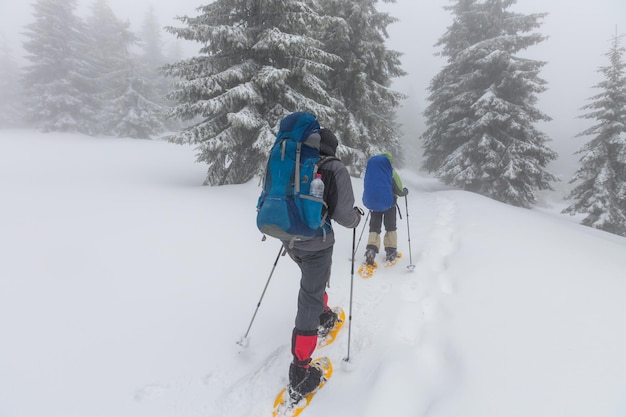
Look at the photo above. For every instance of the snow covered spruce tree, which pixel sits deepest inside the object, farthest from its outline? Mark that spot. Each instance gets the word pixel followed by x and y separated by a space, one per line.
pixel 137 111
pixel 150 60
pixel 11 94
pixel 601 192
pixel 366 121
pixel 480 135
pixel 128 102
pixel 58 87
pixel 258 62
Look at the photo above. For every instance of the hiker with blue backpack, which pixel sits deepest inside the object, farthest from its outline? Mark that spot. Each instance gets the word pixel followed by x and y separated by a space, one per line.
pixel 306 232
pixel 314 317
pixel 381 188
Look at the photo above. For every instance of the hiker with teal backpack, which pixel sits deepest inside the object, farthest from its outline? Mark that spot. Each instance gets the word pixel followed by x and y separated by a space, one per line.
pixel 309 244
pixel 381 188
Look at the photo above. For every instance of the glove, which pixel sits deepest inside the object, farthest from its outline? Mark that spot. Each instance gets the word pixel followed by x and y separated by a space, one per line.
pixel 359 214
pixel 406 191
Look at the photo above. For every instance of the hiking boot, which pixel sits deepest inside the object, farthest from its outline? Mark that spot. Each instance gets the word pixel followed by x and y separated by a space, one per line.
pixel 327 321
pixel 303 380
pixel 370 255
pixel 392 254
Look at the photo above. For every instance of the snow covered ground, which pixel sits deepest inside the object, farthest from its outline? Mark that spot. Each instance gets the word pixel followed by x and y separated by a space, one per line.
pixel 124 285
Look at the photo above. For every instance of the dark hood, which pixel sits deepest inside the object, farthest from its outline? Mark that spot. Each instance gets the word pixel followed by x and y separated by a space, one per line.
pixel 328 142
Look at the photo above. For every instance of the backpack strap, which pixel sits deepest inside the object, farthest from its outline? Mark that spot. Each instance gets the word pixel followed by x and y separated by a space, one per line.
pixel 322 160
pixel 296 177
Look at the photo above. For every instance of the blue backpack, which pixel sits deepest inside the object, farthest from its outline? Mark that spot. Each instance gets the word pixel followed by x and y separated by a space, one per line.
pixel 285 209
pixel 378 184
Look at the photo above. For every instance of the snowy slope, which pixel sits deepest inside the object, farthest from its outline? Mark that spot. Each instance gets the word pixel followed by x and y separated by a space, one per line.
pixel 124 286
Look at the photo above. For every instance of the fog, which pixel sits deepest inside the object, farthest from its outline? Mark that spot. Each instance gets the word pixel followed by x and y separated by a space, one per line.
pixel 578 37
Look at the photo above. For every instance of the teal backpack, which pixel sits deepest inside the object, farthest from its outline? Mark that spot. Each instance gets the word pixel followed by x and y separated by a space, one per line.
pixel 285 210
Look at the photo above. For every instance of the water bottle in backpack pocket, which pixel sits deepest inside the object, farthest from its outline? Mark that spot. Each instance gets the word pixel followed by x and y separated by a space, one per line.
pixel 313 202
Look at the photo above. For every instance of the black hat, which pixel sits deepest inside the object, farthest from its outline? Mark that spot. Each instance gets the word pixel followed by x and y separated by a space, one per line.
pixel 328 142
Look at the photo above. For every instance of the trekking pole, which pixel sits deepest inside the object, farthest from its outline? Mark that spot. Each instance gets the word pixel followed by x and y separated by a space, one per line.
pixel 244 340
pixel 346 360
pixel 411 267
pixel 362 230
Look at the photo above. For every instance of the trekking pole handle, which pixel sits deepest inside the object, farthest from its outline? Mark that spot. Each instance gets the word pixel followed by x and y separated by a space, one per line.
pixel 354 249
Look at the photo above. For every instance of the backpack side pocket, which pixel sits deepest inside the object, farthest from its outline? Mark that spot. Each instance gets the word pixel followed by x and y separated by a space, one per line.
pixel 312 208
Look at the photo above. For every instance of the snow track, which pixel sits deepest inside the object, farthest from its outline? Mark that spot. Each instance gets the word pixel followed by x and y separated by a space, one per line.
pixel 398 328
pixel 415 344
pixel 400 332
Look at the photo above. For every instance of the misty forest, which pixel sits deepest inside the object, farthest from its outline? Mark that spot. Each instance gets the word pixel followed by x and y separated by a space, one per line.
pixel 258 61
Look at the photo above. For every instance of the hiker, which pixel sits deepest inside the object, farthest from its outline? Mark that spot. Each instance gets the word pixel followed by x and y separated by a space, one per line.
pixel 381 188
pixel 314 257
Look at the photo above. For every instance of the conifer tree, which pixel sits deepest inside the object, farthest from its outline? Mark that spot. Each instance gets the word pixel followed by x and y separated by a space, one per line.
pixel 259 61
pixel 57 83
pixel 361 81
pixel 151 41
pixel 601 174
pixel 11 94
pixel 150 61
pixel 480 132
pixel 128 104
pixel 137 112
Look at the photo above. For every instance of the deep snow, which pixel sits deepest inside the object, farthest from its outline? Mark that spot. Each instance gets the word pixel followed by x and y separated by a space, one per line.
pixel 124 285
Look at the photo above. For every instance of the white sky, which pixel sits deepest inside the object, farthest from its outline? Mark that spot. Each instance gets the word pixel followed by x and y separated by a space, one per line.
pixel 578 32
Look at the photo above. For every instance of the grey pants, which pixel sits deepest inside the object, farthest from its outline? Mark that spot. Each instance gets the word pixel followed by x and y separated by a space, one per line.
pixel 389 218
pixel 315 268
